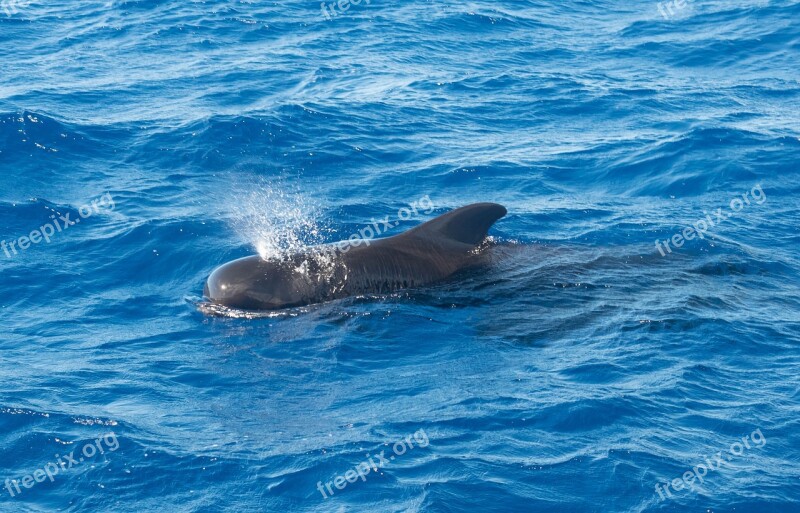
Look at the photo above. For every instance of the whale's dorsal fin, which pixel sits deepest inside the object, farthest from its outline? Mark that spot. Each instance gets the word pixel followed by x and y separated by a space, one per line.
pixel 468 225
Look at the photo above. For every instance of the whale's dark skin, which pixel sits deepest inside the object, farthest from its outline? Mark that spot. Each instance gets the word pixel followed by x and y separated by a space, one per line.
pixel 423 255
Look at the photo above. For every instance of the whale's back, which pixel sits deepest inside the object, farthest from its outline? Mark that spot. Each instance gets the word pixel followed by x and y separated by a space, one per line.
pixel 425 254
pixel 466 225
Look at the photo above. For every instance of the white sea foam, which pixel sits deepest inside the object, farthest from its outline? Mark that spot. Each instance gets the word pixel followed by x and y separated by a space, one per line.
pixel 275 218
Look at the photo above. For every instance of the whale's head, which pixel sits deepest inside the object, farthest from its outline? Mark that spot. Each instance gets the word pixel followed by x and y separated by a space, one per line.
pixel 252 283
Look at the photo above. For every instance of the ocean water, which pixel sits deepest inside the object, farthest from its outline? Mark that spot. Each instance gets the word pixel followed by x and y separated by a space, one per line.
pixel 582 371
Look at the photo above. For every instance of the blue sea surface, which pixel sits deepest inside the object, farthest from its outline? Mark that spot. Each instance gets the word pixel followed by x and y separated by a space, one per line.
pixel 632 347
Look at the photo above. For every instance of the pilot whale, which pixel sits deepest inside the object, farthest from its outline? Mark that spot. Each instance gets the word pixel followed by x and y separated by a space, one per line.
pixel 420 256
